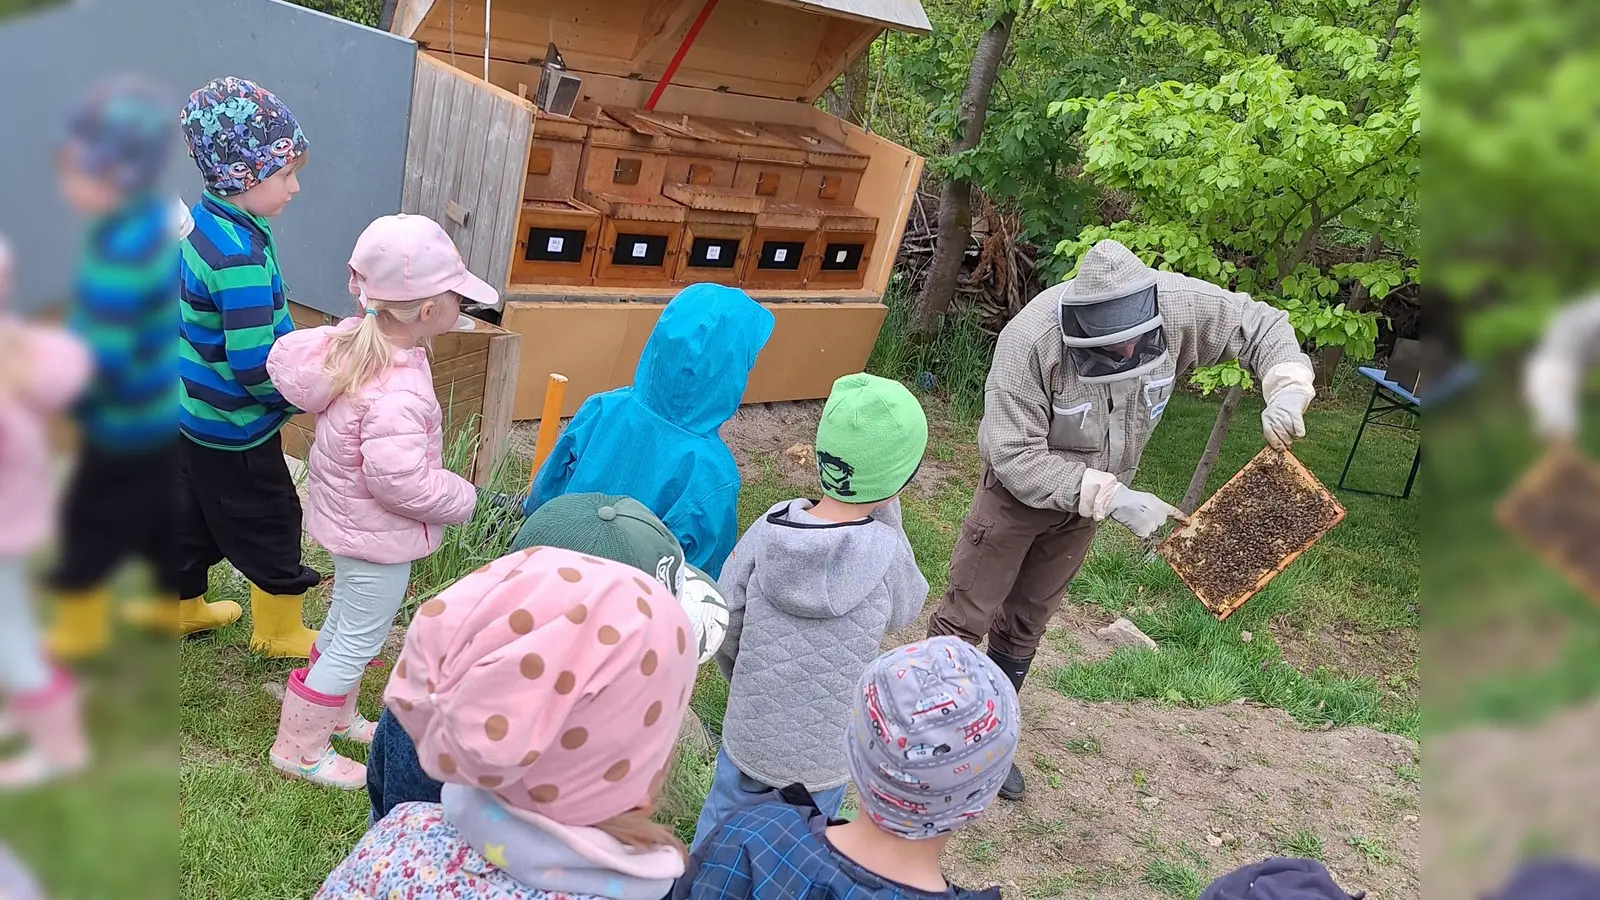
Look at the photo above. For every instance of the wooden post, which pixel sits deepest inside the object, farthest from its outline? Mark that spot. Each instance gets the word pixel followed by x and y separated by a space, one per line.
pixel 549 422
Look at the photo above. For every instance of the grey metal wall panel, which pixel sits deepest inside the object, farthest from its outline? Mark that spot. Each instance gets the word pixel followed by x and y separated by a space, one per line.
pixel 350 87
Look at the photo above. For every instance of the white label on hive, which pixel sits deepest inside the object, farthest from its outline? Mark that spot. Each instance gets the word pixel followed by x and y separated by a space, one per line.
pixel 843 254
pixel 640 249
pixel 554 245
pixel 713 252
pixel 780 254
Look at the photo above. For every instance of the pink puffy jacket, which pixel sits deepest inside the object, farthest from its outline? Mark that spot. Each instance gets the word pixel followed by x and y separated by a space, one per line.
pixel 378 487
pixel 51 371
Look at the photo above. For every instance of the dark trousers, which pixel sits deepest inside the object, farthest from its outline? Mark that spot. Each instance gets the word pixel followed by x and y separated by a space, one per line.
pixel 119 506
pixel 1010 570
pixel 394 774
pixel 239 505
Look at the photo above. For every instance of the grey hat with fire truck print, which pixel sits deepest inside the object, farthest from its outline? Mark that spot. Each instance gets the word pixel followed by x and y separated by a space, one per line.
pixel 931 738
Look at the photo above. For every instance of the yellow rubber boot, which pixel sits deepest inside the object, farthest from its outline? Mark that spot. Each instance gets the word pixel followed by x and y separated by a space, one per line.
pixel 196 615
pixel 277 631
pixel 82 625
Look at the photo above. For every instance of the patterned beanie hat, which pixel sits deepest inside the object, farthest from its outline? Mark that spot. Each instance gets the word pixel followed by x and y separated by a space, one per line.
pixel 870 440
pixel 555 681
pixel 121 132
pixel 932 736
pixel 239 134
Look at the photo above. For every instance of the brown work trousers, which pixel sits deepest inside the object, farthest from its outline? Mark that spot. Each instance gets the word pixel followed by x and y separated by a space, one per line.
pixel 1010 570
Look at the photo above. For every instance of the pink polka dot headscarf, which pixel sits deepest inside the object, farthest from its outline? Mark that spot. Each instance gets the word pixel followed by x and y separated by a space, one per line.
pixel 554 680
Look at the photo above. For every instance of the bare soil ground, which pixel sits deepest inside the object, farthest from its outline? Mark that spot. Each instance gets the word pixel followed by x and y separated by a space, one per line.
pixel 1114 786
pixel 1500 794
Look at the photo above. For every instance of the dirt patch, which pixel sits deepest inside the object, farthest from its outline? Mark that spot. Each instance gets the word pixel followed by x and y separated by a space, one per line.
pixel 1265 514
pixel 1113 787
pixel 1501 794
pixel 1380 656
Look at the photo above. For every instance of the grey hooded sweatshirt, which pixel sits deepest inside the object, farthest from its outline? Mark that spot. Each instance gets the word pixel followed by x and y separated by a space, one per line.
pixel 809 602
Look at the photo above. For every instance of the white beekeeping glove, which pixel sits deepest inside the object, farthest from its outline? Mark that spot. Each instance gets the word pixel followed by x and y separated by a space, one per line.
pixel 1288 388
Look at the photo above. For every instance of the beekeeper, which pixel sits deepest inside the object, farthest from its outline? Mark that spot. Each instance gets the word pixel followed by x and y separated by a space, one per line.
pixel 1079 381
pixel 1556 368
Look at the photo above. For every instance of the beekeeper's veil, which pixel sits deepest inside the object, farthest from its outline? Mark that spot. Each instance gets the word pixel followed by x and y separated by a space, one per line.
pixel 1110 316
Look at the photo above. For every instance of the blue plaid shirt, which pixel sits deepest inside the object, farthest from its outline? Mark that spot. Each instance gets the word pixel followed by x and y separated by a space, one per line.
pixel 777 851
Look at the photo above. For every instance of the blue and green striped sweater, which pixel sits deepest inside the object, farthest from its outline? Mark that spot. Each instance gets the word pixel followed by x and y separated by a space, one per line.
pixel 233 309
pixel 124 314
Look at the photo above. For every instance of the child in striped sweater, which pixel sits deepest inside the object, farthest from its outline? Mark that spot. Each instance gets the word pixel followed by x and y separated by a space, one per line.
pixel 237 499
pixel 119 504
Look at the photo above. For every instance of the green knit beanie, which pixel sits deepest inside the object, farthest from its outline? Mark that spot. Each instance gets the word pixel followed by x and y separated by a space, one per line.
pixel 870 440
pixel 609 526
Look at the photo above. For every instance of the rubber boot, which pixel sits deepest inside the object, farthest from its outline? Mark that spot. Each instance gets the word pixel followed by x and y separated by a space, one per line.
pixel 81 628
pixel 195 615
pixel 301 749
pixel 1015 787
pixel 277 631
pixel 51 720
pixel 353 726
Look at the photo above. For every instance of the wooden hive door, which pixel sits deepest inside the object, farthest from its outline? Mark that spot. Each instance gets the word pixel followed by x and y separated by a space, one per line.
pixel 467 157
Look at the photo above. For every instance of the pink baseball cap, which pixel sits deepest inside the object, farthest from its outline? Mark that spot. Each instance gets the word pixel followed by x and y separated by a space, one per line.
pixel 409 257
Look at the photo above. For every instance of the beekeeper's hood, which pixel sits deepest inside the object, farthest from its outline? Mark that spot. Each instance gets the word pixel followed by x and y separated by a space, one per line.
pixel 1110 317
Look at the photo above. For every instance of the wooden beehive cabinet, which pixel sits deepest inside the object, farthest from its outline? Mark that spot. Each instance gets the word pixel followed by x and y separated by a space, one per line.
pixel 733 143
pixel 556 243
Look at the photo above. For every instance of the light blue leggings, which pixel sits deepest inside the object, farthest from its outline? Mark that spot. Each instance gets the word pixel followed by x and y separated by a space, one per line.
pixel 365 598
pixel 23 668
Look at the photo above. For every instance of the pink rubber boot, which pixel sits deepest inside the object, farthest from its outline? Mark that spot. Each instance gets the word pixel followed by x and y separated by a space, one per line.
pixel 353 726
pixel 52 722
pixel 304 726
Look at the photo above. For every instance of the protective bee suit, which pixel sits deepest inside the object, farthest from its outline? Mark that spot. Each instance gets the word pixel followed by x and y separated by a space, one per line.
pixel 1079 382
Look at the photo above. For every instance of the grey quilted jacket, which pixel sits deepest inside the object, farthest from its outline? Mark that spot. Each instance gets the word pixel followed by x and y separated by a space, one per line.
pixel 809 602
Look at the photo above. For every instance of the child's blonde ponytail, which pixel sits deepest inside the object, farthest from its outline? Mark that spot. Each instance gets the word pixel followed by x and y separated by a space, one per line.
pixel 359 355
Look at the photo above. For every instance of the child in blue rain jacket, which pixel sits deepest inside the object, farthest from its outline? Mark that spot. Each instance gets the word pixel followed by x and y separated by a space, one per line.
pixel 657 440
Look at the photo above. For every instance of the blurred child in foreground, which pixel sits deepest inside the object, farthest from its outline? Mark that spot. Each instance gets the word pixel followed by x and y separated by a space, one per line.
pixel 932 732
pixel 546 691
pixel 42 370
pixel 811 589
pixel 120 502
pixel 657 440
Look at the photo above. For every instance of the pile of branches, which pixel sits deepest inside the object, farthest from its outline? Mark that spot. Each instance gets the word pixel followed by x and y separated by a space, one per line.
pixel 1000 273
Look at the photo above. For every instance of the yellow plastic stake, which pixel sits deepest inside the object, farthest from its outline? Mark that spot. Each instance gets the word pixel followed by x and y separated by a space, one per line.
pixel 555 391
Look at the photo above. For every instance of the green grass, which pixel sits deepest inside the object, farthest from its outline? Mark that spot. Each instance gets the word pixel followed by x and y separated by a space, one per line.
pixel 1372 849
pixel 1304 843
pixel 958 358
pixel 1174 880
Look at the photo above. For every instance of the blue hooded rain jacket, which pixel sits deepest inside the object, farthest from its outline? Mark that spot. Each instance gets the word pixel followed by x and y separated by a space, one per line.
pixel 657 440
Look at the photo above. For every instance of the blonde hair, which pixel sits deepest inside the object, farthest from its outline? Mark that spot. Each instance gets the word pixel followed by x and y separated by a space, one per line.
pixel 363 353
pixel 636 829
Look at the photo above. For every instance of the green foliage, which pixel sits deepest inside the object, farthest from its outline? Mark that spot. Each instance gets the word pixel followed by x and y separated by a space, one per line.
pixel 1513 162
pixel 1025 159
pixel 1291 120
pixel 364 12
pixel 1230 374
pixel 958 358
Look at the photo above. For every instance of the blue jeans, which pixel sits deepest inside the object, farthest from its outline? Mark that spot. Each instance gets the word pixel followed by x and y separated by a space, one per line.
pixel 731 789
pixel 394 774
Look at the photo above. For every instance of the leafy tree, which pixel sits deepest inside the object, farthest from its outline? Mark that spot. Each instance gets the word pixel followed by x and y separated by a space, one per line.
pixel 1513 163
pixel 1299 120
pixel 955 198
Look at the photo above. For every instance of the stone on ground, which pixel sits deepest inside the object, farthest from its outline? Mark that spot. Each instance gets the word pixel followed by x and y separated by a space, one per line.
pixel 1123 633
